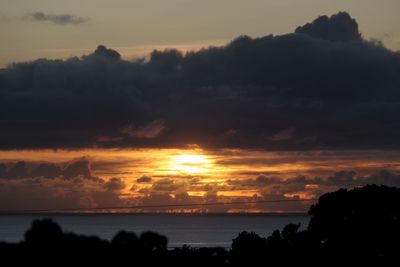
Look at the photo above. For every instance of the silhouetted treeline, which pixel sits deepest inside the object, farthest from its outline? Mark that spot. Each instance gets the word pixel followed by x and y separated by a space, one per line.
pixel 360 227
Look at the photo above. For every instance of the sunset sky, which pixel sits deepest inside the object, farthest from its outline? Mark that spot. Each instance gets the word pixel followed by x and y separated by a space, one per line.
pixel 138 103
pixel 135 27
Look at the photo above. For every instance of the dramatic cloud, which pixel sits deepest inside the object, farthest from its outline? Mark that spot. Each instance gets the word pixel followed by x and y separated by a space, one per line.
pixel 168 185
pixel 321 87
pixel 78 168
pixel 144 179
pixel 57 193
pixel 285 134
pixel 34 185
pixel 115 184
pixel 60 19
pixel 266 188
pixel 339 27
pixel 150 130
pixel 106 52
pixel 315 186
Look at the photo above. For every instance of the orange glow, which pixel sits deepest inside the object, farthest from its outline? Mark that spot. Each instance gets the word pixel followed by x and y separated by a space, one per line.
pixel 250 210
pixel 191 163
pixel 197 193
pixel 300 195
pixel 239 193
pixel 196 175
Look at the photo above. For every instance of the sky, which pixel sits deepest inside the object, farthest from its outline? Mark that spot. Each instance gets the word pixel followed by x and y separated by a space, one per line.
pixel 239 101
pixel 136 27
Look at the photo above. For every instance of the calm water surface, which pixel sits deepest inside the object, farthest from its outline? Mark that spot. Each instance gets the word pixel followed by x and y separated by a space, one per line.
pixel 195 230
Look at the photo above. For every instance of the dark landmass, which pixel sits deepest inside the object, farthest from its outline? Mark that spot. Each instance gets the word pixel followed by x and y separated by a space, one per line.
pixel 358 227
pixel 247 214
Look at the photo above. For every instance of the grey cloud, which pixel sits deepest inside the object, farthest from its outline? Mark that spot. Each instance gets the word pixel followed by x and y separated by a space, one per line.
pixel 167 185
pixel 60 19
pixel 259 181
pixel 150 130
pixel 114 184
pixel 21 169
pixel 285 134
pixel 338 179
pixel 157 198
pixel 47 170
pixel 339 27
pixel 103 51
pixel 78 168
pixel 384 177
pixel 38 192
pixel 144 179
pixel 330 86
pixel 57 193
pixel 268 188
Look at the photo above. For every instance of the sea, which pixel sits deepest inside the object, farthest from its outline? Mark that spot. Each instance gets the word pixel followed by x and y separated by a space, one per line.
pixel 195 230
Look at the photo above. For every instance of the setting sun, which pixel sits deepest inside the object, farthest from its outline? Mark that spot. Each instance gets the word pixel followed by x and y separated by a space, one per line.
pixel 191 163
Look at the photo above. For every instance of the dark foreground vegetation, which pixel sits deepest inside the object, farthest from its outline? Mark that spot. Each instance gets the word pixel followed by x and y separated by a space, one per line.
pixel 360 227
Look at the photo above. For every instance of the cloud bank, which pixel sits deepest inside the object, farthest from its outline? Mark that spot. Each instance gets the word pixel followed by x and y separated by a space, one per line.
pixel 47 185
pixel 33 185
pixel 59 19
pixel 320 87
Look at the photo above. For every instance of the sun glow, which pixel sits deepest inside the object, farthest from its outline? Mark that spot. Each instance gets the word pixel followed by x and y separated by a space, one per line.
pixel 191 163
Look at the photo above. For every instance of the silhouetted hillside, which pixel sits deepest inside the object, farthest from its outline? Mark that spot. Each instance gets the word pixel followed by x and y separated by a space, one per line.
pixel 359 227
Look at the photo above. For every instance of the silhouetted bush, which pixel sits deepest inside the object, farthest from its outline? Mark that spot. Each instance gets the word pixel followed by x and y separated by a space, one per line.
pixel 151 241
pixel 248 248
pixel 125 239
pixel 44 233
pixel 361 225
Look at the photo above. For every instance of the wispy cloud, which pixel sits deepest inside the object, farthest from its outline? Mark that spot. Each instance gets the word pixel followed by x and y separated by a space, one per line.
pixel 60 19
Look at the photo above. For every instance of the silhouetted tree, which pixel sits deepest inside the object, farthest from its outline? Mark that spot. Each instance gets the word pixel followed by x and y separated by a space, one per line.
pixel 44 232
pixel 361 225
pixel 125 239
pixel 151 241
pixel 248 248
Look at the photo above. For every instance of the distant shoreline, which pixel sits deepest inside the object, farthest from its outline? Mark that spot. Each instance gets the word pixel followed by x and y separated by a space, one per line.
pixel 154 213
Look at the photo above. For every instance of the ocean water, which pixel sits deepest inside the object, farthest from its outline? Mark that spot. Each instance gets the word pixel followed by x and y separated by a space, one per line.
pixel 196 230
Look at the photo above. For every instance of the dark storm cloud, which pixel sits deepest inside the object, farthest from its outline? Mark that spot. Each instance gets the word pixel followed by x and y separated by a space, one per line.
pixel 115 184
pixel 21 169
pixel 150 130
pixel 318 88
pixel 27 190
pixel 56 193
pixel 167 185
pixel 144 179
pixel 339 27
pixel 60 19
pixel 338 179
pixel 33 185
